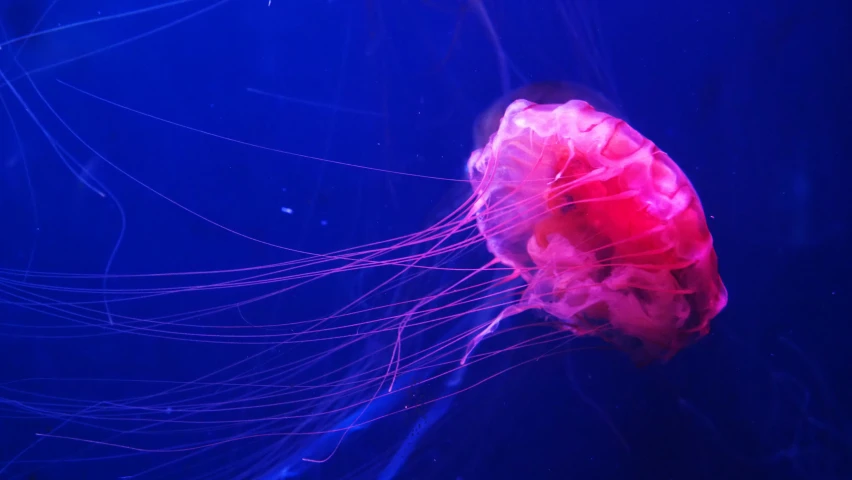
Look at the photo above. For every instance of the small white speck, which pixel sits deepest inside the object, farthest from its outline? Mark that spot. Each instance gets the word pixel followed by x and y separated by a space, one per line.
pixel 287 210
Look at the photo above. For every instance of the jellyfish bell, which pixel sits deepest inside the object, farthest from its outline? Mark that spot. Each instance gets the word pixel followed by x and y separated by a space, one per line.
pixel 605 229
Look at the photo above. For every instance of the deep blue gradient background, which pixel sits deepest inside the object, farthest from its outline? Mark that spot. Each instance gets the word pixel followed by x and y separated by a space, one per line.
pixel 751 98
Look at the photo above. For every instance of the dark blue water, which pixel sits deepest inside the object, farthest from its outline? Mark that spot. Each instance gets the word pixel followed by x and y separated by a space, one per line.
pixel 113 160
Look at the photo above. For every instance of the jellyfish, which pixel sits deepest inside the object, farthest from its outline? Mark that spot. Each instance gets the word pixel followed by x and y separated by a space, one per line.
pixel 605 229
pixel 566 211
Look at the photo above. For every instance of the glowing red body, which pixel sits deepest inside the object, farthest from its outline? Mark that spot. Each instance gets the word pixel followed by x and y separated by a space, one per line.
pixel 604 227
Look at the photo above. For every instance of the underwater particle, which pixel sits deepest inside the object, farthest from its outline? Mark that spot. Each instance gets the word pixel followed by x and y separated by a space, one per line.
pixel 287 210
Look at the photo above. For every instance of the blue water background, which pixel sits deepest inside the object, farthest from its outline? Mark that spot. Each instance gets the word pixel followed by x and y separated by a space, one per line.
pixel 751 99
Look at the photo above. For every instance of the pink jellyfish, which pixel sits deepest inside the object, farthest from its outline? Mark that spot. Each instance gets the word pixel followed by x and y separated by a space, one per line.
pixel 605 229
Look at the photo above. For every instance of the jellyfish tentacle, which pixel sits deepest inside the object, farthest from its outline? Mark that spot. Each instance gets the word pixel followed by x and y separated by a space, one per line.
pixel 507 312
